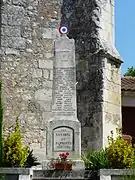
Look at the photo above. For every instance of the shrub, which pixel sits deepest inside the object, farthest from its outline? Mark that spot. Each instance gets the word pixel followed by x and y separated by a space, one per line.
pixel 31 160
pixel 95 160
pixel 120 153
pixel 15 155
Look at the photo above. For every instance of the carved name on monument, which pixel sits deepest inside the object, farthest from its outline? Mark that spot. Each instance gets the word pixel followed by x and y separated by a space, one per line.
pixel 64 92
pixel 64 79
pixel 63 139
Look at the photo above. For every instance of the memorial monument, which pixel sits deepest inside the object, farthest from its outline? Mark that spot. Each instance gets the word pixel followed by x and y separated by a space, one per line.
pixel 64 129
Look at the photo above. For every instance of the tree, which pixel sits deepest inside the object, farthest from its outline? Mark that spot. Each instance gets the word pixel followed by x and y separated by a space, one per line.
pixel 130 72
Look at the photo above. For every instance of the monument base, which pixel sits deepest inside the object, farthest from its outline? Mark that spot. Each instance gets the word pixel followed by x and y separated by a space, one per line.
pixel 78 165
pixel 63 136
pixel 71 175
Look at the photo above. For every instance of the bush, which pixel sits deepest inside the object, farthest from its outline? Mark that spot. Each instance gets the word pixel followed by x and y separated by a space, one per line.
pixel 120 154
pixel 31 160
pixel 95 160
pixel 15 155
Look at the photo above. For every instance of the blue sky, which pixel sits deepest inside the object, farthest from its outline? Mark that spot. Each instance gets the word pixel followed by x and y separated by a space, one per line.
pixel 125 31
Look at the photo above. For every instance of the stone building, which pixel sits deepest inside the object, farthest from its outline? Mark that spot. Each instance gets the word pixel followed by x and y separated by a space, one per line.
pixel 28 31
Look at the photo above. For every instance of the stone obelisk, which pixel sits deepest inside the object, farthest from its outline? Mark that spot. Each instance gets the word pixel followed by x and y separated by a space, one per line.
pixel 64 129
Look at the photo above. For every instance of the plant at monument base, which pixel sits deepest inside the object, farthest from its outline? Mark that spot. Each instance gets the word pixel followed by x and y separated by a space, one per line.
pixel 15 155
pixel 62 162
pixel 31 160
pixel 95 160
pixel 120 154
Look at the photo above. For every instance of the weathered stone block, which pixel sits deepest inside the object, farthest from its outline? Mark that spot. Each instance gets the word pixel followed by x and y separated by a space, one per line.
pixel 51 75
pixel 26 32
pixel 37 73
pixel 43 95
pixel 11 31
pixel 47 84
pixel 13 42
pixel 20 2
pixel 19 43
pixel 112 97
pixel 112 76
pixel 49 54
pixel 15 14
pixel 7 1
pixel 48 45
pixel 48 64
pixel 6 41
pixel 50 33
pixel 11 51
pixel 4 19
pixel 109 85
pixel 46 73
pixel 108 107
pixel 46 105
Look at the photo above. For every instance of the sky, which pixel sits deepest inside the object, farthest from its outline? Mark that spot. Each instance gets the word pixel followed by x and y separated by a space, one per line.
pixel 125 32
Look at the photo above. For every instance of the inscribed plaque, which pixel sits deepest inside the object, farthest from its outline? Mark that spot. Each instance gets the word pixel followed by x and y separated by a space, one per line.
pixel 63 139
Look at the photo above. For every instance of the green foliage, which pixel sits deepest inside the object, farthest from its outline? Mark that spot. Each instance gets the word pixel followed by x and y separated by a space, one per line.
pixel 12 152
pixel 95 160
pixel 31 160
pixel 2 177
pixel 130 72
pixel 15 155
pixel 1 120
pixel 117 155
pixel 120 154
pixel 128 177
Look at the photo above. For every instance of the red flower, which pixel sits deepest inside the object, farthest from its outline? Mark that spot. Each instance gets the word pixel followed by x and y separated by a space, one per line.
pixel 65 156
pixel 67 153
pixel 60 155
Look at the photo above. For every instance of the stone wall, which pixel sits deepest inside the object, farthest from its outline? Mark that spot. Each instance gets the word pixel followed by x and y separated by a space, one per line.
pixel 112 98
pixel 98 72
pixel 28 30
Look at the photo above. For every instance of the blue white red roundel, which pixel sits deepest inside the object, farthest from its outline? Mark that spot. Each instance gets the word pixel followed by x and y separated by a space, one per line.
pixel 63 29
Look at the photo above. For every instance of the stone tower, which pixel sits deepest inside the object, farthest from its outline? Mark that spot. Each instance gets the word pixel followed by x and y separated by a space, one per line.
pixel 98 72
pixel 28 30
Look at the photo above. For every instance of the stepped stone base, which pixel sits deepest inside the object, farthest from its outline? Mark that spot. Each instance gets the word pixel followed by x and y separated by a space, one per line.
pixel 57 174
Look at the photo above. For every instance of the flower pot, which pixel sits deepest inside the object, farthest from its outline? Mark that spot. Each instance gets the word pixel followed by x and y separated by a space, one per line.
pixel 63 166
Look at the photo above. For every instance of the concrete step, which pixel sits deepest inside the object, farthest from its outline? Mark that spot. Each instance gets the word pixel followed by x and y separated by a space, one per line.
pixel 58 174
pixel 49 178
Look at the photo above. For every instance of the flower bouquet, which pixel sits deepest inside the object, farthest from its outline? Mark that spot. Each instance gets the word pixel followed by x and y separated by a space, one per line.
pixel 62 162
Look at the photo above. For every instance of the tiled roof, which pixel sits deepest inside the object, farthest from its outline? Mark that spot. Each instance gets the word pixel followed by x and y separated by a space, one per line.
pixel 128 83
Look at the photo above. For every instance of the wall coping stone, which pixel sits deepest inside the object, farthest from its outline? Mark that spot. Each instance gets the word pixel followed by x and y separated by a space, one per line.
pixel 117 172
pixel 18 171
